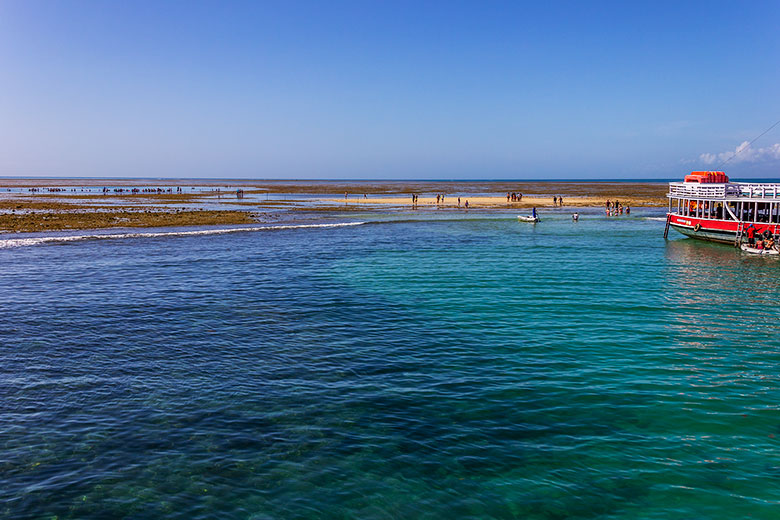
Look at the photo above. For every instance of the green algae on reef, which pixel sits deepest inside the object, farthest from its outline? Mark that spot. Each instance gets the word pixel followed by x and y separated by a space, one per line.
pixel 51 221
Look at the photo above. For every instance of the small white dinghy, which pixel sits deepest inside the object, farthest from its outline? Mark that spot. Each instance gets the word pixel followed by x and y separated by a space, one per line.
pixel 528 218
pixel 746 248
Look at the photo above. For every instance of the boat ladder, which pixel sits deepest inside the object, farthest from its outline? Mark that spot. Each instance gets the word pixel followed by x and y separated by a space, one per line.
pixel 666 229
pixel 738 238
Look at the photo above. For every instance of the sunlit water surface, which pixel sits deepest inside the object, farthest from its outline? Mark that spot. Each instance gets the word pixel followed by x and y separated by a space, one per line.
pixel 466 366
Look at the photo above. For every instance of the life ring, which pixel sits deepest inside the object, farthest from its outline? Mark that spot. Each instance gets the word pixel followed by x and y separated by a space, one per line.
pixel 697 228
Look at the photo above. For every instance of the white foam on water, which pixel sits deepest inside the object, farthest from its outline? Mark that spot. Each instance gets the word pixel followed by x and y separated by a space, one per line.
pixel 34 241
pixel 660 219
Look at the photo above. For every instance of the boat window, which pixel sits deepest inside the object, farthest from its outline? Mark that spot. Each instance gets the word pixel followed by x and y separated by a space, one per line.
pixel 763 213
pixel 734 210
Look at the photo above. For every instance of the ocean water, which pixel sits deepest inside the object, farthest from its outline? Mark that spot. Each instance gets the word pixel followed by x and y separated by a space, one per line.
pixel 462 365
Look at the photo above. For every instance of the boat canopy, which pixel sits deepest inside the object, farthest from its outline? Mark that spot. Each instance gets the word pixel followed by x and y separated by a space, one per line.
pixel 703 177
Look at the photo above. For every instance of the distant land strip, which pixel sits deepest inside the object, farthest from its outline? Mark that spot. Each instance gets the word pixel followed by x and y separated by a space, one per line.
pixel 34 205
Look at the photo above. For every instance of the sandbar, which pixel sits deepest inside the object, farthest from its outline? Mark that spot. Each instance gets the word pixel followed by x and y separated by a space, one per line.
pixel 33 205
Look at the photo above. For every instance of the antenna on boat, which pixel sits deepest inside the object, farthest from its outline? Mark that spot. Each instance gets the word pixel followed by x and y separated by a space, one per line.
pixel 748 145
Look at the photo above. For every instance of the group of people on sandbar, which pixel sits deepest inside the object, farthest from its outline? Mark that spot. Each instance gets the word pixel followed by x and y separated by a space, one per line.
pixel 50 190
pixel 557 201
pixel 439 200
pixel 514 197
pixel 136 191
pixel 613 209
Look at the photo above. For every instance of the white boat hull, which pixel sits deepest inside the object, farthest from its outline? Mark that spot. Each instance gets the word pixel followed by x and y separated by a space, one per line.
pixel 746 248
pixel 528 218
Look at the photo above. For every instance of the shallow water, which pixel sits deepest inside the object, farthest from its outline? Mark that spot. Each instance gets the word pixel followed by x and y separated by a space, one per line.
pixel 455 365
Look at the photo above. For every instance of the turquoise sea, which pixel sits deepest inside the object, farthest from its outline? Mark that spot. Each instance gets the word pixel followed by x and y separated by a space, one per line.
pixel 432 365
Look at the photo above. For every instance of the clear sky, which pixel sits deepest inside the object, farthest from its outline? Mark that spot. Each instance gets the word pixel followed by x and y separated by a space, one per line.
pixel 388 89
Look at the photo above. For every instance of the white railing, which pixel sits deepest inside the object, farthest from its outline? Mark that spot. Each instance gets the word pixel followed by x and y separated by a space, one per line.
pixel 760 191
pixel 695 190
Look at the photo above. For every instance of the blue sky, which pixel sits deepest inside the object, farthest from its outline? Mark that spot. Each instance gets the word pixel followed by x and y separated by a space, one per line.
pixel 388 90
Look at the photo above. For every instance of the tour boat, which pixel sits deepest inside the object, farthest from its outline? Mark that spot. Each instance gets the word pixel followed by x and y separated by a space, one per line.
pixel 709 207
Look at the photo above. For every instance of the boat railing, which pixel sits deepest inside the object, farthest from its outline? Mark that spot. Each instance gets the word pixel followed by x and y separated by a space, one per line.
pixel 760 190
pixel 704 191
pixel 720 191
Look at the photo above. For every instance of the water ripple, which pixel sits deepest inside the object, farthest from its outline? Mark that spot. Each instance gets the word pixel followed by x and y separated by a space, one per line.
pixel 470 368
